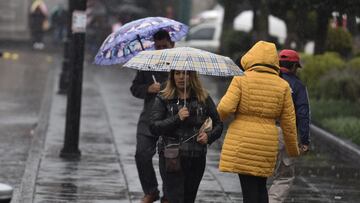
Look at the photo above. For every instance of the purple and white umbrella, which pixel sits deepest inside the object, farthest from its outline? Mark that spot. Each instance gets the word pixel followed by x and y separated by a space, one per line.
pixel 136 36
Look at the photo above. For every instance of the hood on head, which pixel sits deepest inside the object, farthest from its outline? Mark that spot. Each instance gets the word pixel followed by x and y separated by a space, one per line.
pixel 262 53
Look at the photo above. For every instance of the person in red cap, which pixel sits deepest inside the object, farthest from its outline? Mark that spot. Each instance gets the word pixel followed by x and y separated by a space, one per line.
pixel 285 171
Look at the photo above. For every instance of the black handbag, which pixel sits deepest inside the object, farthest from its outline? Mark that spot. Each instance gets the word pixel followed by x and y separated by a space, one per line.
pixel 172 158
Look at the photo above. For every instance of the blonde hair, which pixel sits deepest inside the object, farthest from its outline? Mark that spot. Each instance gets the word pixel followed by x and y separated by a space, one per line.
pixel 169 92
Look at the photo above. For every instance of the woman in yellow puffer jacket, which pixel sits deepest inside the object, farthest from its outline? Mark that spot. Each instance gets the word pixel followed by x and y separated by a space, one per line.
pixel 257 100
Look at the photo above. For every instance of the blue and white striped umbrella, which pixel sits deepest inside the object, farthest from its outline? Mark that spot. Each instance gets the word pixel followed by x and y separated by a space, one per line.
pixel 184 58
pixel 136 36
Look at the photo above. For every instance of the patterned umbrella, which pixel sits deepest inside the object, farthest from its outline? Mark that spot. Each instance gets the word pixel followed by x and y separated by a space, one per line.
pixel 184 58
pixel 136 36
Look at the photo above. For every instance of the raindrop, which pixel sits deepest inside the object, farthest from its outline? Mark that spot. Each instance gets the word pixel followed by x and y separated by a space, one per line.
pixel 333 167
pixel 338 175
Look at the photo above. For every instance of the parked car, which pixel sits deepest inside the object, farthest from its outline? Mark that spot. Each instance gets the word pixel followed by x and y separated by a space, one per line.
pixel 206 34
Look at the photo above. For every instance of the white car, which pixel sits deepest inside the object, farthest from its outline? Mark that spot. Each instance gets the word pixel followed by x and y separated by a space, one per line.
pixel 207 35
pixel 203 36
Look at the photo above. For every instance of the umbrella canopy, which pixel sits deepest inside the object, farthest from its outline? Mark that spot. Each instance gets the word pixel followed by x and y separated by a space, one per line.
pixel 184 58
pixel 136 36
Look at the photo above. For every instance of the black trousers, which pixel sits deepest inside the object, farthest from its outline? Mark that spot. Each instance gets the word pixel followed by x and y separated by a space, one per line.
pixel 145 151
pixel 254 189
pixel 182 186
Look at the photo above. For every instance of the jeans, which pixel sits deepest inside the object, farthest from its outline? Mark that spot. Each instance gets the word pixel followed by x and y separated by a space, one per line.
pixel 182 186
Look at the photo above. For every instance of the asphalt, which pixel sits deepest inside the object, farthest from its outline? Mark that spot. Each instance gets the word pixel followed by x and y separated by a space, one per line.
pixel 106 171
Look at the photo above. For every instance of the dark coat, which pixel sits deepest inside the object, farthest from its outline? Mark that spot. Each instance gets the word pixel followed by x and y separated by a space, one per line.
pixel 36 20
pixel 301 104
pixel 140 84
pixel 165 121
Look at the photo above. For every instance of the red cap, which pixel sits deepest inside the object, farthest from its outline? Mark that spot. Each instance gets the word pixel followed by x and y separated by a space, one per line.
pixel 289 55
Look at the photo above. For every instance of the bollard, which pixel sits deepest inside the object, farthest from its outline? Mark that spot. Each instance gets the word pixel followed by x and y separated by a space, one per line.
pixel 5 193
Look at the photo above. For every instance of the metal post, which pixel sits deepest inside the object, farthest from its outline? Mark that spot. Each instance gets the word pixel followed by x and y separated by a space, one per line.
pixel 73 110
pixel 64 75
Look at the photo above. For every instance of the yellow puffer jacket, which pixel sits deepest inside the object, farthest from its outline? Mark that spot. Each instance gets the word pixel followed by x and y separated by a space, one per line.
pixel 257 100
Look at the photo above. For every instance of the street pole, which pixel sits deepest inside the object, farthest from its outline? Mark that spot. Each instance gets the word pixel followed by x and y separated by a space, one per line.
pixel 64 75
pixel 73 109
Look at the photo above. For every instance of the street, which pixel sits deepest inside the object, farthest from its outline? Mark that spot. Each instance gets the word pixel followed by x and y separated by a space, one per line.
pixel 21 92
pixel 106 172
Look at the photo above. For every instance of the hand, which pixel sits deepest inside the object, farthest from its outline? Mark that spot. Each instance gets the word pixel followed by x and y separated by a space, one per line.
pixel 183 113
pixel 202 138
pixel 154 88
pixel 304 148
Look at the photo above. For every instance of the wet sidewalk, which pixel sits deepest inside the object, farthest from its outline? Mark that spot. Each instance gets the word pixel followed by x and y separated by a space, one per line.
pixel 106 172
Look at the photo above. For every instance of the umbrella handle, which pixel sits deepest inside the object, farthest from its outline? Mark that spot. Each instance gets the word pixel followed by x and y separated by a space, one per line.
pixel 154 79
pixel 185 91
pixel 139 39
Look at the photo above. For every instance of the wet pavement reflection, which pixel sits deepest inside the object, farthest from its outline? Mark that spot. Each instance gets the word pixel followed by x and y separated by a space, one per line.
pixel 106 171
pixel 22 85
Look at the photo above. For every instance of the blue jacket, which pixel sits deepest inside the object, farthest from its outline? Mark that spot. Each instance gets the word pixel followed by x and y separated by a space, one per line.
pixel 301 102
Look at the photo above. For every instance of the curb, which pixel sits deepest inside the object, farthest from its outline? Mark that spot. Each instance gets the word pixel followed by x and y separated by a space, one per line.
pixel 25 192
pixel 348 151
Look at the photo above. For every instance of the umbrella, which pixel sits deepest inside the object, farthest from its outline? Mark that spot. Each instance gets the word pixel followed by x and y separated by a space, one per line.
pixel 185 59
pixel 136 36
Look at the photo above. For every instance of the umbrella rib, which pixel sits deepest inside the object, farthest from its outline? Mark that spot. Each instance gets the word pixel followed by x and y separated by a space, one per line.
pixel 141 44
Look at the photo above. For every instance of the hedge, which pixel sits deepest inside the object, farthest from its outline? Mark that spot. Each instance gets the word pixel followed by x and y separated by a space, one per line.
pixel 338 117
pixel 317 66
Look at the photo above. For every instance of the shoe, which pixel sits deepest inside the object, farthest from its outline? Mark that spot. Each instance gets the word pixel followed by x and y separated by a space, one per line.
pixel 164 200
pixel 150 198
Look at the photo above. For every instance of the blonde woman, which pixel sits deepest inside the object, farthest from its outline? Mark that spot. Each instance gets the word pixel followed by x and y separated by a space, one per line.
pixel 258 100
pixel 183 146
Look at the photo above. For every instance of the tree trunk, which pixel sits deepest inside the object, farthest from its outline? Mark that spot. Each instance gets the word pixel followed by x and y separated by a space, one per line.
pixel 260 20
pixel 300 24
pixel 351 24
pixel 321 31
pixel 230 12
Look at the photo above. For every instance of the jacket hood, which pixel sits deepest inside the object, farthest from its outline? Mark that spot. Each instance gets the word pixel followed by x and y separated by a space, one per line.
pixel 263 55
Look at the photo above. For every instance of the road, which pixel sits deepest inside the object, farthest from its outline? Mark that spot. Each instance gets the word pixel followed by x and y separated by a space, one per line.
pixel 22 84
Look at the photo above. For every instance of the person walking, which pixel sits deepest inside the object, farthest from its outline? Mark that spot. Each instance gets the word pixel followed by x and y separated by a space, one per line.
pixel 38 23
pixel 145 86
pixel 285 170
pixel 59 23
pixel 178 114
pixel 257 100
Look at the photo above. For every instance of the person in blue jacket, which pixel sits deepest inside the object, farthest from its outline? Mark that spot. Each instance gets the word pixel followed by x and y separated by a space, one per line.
pixel 285 171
